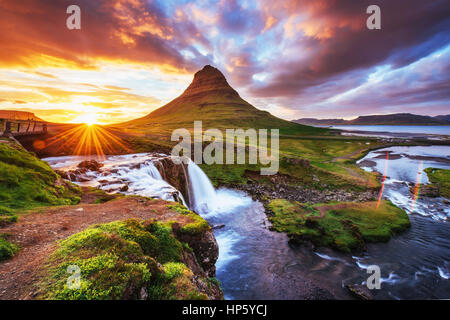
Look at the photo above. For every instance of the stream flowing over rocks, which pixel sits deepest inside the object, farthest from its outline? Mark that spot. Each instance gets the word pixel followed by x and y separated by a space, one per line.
pixel 252 259
pixel 256 263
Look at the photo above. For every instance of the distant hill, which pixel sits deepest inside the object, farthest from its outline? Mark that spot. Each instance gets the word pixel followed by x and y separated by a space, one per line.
pixel 388 119
pixel 443 118
pixel 211 99
pixel 18 115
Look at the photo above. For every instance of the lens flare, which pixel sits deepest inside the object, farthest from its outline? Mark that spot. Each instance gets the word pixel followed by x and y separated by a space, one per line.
pixel 417 186
pixel 384 178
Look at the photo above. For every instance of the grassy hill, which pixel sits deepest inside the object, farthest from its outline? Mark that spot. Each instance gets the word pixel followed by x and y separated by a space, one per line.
pixel 26 181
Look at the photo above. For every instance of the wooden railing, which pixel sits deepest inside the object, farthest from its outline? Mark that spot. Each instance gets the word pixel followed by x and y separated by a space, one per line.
pixel 18 128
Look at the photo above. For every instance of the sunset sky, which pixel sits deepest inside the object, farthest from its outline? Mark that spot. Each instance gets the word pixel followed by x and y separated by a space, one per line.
pixel 310 58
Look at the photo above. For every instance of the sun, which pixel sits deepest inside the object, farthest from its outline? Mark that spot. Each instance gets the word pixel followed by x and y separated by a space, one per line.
pixel 88 118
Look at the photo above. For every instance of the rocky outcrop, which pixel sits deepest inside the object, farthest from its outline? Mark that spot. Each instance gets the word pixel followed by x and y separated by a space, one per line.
pixel 91 165
pixel 79 174
pixel 175 174
pixel 204 246
pixel 297 161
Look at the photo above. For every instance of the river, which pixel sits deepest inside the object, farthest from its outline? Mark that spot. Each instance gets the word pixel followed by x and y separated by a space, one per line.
pixel 256 263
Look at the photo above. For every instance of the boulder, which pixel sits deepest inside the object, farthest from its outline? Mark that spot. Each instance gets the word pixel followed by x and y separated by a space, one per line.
pixel 359 291
pixel 91 165
pixel 426 190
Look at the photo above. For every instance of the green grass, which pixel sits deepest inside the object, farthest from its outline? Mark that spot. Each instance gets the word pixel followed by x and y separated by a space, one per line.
pixel 7 249
pixel 7 216
pixel 27 182
pixel 441 179
pixel 345 226
pixel 319 174
pixel 119 260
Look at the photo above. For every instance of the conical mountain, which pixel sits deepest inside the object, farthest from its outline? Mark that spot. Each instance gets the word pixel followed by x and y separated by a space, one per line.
pixel 211 99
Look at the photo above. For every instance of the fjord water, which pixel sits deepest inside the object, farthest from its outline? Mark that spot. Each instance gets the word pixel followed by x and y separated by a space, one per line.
pixel 256 263
pixel 438 130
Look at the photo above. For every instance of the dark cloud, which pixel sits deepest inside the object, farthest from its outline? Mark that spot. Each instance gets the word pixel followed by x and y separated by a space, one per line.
pixel 337 40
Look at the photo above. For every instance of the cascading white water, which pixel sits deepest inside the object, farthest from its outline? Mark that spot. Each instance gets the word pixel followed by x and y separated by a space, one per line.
pixel 202 191
pixel 207 201
pixel 142 177
pixel 137 171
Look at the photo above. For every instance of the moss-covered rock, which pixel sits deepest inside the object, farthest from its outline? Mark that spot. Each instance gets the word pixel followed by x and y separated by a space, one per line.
pixel 198 235
pixel 343 226
pixel 440 181
pixel 198 224
pixel 128 259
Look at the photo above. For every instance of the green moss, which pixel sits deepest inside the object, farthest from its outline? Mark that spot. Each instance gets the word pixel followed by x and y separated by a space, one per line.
pixel 214 281
pixel 440 178
pixel 173 270
pixel 117 261
pixel 26 181
pixel 175 283
pixel 345 226
pixel 7 249
pixel 198 224
pixel 178 208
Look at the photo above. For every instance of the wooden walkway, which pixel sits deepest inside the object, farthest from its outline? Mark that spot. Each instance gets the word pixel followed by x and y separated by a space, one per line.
pixel 18 128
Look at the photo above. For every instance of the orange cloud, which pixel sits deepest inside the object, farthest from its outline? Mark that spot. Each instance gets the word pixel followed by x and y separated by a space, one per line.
pixel 119 30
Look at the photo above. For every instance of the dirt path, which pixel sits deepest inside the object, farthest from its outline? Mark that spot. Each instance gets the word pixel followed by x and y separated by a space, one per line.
pixel 37 232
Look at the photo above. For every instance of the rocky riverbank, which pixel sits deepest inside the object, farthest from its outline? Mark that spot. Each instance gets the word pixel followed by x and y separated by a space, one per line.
pixel 278 187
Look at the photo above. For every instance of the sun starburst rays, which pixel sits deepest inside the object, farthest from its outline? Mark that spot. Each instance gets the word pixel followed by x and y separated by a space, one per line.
pixel 87 139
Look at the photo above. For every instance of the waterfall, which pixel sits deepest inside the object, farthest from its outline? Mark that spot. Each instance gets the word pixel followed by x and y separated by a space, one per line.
pixel 201 189
pixel 153 171
pixel 154 175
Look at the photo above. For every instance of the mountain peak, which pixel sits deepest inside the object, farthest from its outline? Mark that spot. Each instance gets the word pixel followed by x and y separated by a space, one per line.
pixel 207 80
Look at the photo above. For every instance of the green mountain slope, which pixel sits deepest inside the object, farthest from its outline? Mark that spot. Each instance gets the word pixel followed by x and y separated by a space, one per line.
pixel 211 99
